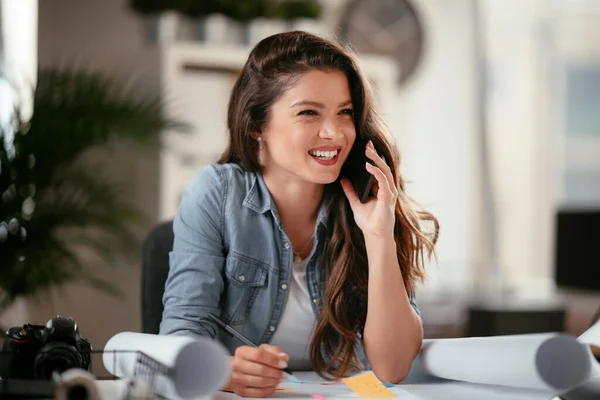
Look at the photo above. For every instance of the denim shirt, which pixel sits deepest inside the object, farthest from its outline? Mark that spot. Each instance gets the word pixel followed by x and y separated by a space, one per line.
pixel 232 258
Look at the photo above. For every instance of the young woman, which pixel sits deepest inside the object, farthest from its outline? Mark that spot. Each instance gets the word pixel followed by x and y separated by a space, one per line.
pixel 275 242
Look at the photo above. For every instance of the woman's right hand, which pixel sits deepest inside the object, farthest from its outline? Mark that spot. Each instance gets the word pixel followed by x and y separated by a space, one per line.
pixel 256 371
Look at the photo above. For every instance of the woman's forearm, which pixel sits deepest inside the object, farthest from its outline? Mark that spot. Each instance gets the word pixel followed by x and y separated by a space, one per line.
pixel 393 332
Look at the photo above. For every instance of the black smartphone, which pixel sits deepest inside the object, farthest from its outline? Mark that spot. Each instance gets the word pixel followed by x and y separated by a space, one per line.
pixel 354 169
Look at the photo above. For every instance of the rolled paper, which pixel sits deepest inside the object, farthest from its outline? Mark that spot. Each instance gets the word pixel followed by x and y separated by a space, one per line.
pixel 124 389
pixel 553 362
pixel 189 366
pixel 76 383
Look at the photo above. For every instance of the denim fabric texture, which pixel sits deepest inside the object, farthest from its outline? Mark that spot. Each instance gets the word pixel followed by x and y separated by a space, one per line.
pixel 232 258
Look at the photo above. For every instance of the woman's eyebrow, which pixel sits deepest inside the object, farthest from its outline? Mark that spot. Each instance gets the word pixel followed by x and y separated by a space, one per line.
pixel 317 104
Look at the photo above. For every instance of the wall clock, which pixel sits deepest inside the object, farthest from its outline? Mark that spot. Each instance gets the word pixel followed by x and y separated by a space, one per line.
pixel 386 27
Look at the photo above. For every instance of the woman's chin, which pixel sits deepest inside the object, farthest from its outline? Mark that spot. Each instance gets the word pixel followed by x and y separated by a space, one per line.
pixel 325 179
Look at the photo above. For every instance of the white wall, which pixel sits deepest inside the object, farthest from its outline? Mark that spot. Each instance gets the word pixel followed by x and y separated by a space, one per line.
pixel 528 44
pixel 201 98
pixel 19 48
pixel 575 34
pixel 517 137
pixel 438 132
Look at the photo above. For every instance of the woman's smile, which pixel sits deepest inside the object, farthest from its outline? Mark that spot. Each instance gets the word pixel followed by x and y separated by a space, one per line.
pixel 325 155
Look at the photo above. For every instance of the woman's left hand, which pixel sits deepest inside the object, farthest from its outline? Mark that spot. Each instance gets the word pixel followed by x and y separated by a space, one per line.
pixel 376 216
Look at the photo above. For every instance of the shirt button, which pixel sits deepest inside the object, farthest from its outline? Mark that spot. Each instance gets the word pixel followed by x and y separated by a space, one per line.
pixel 272 328
pixel 286 245
pixel 284 286
pixel 241 278
pixel 315 301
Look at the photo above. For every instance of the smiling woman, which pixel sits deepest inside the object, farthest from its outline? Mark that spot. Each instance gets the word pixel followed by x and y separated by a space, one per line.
pixel 275 241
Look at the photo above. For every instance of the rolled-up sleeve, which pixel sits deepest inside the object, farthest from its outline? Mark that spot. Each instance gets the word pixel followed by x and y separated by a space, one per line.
pixel 195 281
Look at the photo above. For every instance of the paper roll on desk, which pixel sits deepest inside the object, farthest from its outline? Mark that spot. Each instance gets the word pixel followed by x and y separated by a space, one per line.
pixel 130 389
pixel 592 335
pixel 76 384
pixel 79 384
pixel 552 362
pixel 196 366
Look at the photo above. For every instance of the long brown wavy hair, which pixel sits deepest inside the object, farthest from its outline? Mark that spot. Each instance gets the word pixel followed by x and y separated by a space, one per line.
pixel 273 66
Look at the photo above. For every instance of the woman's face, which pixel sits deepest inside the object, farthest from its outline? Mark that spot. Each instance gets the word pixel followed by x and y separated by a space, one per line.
pixel 310 130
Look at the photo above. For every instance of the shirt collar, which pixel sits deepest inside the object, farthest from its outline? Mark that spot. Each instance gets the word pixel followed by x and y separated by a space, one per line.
pixel 258 198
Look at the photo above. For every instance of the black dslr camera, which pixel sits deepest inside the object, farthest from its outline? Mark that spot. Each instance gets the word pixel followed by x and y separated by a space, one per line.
pixel 37 351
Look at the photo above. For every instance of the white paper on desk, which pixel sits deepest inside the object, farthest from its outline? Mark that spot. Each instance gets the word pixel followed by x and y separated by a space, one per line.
pixel 590 389
pixel 441 390
pixel 197 366
pixel 132 389
pixel 592 335
pixel 553 362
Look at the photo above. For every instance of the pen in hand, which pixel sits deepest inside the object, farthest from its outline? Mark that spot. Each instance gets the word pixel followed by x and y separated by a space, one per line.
pixel 238 335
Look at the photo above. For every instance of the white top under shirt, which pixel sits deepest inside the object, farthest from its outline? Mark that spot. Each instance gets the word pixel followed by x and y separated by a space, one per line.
pixel 294 332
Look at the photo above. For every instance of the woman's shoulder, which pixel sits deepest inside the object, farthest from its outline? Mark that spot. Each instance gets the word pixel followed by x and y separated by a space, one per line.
pixel 219 178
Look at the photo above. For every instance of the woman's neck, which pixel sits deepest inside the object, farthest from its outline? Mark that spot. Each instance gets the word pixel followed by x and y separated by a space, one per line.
pixel 297 201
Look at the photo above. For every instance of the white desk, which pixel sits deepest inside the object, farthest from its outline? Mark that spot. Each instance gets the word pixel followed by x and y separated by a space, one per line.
pixel 412 389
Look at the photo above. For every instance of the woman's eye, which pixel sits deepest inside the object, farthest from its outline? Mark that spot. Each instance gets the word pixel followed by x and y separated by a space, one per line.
pixel 307 112
pixel 348 111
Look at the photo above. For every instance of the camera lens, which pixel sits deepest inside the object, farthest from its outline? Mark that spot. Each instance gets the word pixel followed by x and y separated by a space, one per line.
pixel 56 357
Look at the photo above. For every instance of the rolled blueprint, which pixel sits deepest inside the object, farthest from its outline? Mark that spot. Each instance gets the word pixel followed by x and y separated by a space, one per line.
pixel 196 366
pixel 554 362
pixel 592 335
pixel 76 383
pixel 590 390
pixel 124 389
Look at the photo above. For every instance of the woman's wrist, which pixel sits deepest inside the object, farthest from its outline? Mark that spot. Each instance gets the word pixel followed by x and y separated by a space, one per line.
pixel 380 243
pixel 381 252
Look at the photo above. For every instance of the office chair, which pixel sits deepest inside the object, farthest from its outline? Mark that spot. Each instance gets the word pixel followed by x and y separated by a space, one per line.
pixel 155 269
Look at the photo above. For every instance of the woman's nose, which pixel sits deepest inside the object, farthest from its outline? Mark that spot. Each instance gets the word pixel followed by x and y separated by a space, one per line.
pixel 330 130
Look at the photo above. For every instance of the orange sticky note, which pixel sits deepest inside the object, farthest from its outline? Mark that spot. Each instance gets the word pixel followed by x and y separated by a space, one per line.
pixel 368 386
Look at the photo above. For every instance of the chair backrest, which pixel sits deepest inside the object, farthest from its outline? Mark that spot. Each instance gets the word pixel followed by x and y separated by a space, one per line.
pixel 155 269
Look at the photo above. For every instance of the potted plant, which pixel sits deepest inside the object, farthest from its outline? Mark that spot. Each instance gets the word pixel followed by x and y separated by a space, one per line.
pixel 298 14
pixel 243 13
pixel 226 16
pixel 297 9
pixel 194 15
pixel 61 216
pixel 160 18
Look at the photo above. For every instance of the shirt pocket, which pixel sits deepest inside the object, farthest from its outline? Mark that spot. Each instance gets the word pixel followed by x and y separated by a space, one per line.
pixel 245 279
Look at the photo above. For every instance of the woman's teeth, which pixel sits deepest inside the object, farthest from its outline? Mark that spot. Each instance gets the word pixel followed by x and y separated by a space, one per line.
pixel 323 155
